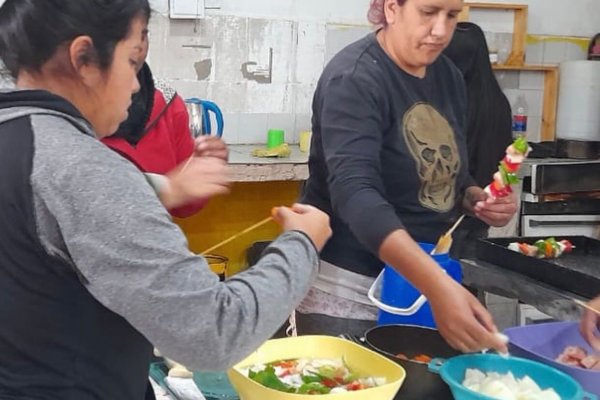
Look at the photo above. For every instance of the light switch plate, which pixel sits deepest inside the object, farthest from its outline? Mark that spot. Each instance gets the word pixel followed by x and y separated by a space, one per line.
pixel 186 9
pixel 213 4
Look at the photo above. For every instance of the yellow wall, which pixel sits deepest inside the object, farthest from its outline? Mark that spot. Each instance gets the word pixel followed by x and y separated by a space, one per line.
pixel 247 204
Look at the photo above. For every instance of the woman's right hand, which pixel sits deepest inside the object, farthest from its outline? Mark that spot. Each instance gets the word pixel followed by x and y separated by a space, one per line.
pixel 195 179
pixel 307 219
pixel 590 324
pixel 462 320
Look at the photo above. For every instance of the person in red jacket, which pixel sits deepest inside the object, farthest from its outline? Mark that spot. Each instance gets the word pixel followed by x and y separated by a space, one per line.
pixel 156 136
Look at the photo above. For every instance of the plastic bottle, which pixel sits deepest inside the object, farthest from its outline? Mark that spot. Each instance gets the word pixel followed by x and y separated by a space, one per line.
pixel 519 121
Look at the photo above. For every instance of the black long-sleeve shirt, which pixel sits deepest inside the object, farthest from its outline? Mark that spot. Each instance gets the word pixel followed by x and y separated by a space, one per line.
pixel 388 152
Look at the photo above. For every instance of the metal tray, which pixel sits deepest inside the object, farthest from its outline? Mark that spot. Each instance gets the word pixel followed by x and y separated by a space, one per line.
pixel 577 272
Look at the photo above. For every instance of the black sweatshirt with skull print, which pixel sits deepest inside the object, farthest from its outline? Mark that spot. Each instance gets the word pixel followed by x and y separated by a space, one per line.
pixel 388 152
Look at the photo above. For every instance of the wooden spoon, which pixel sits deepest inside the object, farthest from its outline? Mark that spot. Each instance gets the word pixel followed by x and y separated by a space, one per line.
pixel 444 243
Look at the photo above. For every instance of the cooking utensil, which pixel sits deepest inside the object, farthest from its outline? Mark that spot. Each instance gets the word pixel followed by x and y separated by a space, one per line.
pixel 445 241
pixel 187 162
pixel 391 340
pixel 544 342
pixel 453 371
pixel 237 235
pixel 358 358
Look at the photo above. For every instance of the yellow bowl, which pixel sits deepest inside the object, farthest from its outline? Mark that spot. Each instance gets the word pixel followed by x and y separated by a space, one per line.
pixel 358 358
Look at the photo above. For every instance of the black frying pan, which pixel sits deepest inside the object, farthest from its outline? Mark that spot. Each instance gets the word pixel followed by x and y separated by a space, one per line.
pixel 420 384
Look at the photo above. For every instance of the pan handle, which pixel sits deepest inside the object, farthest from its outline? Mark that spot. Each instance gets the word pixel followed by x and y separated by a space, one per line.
pixel 589 396
pixel 436 365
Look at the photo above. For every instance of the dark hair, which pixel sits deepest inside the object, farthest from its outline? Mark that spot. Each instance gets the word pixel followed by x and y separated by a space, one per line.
pixel 31 31
pixel 489 116
pixel 376 13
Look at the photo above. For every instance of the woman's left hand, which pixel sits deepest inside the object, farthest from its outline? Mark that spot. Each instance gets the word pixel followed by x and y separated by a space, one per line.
pixel 492 211
pixel 211 146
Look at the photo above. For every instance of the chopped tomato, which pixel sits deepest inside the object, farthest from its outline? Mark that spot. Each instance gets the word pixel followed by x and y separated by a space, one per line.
pixel 500 192
pixel 510 166
pixel 568 245
pixel 330 383
pixel 424 358
pixel 356 385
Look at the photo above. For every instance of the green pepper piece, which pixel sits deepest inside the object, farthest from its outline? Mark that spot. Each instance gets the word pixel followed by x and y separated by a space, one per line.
pixel 520 144
pixel 313 388
pixel 268 378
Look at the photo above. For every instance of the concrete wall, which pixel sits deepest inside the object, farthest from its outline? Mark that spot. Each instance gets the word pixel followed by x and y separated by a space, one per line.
pixel 260 60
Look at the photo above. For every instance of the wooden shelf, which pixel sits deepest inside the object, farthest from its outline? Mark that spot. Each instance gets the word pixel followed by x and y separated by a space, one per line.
pixel 525 67
pixel 516 61
pixel 517 53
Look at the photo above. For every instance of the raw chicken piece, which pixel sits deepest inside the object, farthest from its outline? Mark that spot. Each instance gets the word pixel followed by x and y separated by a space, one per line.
pixel 590 361
pixel 575 352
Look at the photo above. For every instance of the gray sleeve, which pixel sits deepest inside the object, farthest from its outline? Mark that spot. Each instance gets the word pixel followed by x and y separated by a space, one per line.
pixel 98 212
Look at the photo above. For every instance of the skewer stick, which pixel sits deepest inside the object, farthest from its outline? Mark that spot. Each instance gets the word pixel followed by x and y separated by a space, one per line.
pixel 187 162
pixel 445 241
pixel 232 238
pixel 586 306
pixel 458 221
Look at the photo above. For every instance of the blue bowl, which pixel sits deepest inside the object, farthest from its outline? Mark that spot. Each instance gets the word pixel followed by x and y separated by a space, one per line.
pixel 453 371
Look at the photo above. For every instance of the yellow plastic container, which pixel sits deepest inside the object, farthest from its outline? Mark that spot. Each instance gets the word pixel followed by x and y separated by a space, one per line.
pixel 358 358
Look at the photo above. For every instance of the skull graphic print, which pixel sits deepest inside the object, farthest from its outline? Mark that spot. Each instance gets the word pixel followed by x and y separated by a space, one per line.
pixel 431 142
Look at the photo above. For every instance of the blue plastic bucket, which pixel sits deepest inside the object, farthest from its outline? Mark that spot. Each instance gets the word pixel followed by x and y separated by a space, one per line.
pixel 396 291
pixel 453 371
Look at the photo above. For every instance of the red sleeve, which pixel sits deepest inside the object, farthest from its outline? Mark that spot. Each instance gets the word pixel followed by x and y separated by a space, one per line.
pixel 184 145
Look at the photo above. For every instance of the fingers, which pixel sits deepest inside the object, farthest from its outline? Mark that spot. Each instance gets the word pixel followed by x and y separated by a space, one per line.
pixel 303 208
pixel 465 323
pixel 211 146
pixel 590 324
pixel 496 212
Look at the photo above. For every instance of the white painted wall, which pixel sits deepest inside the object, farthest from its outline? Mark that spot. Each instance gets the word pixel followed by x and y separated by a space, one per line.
pixel 339 11
pixel 546 17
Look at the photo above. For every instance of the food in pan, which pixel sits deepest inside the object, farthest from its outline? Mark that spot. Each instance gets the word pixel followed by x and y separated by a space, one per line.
pixel 508 168
pixel 311 376
pixel 506 386
pixel 421 358
pixel 576 356
pixel 543 248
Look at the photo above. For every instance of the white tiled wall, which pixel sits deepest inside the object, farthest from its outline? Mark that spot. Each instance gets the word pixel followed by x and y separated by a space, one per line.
pixel 531 83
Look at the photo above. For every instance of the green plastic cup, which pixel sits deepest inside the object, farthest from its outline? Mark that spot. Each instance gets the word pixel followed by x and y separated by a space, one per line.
pixel 275 137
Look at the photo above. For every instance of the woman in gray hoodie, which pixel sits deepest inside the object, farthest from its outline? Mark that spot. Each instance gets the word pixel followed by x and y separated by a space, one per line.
pixel 93 272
